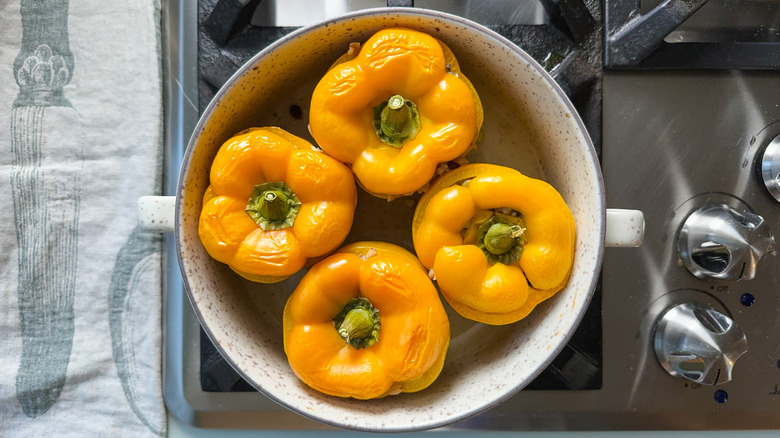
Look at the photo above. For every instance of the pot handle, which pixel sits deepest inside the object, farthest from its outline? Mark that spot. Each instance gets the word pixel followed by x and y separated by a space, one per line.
pixel 625 228
pixel 156 214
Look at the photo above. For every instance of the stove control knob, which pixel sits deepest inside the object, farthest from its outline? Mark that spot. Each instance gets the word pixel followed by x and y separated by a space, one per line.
pixel 698 343
pixel 719 241
pixel 770 167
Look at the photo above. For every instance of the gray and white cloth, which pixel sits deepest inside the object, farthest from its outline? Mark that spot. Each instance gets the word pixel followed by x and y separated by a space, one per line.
pixel 80 288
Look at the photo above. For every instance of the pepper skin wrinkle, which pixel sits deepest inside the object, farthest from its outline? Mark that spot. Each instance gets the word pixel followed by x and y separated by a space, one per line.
pixel 472 282
pixel 324 187
pixel 414 332
pixel 396 63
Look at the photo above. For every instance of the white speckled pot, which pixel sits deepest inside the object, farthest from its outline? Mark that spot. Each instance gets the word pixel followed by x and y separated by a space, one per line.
pixel 529 125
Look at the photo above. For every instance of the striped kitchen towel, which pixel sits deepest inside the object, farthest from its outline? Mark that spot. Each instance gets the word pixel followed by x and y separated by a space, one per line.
pixel 80 289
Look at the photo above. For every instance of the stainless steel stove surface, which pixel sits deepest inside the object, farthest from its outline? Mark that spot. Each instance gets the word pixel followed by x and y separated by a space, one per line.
pixel 682 129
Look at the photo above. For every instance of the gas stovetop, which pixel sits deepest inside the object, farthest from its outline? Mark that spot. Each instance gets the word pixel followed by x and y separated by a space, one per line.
pixel 681 116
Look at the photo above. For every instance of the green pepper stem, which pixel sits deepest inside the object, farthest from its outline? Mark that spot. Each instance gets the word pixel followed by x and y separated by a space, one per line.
pixel 396 120
pixel 358 323
pixel 273 206
pixel 396 102
pixel 501 238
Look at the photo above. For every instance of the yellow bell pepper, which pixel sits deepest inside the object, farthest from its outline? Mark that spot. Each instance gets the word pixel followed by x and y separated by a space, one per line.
pixel 274 203
pixel 394 110
pixel 498 242
pixel 366 322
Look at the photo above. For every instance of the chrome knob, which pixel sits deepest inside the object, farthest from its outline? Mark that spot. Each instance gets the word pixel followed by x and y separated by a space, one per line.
pixel 698 343
pixel 770 167
pixel 719 241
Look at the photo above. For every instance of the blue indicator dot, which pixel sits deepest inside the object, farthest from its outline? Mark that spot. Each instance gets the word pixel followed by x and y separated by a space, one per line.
pixel 721 396
pixel 747 299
